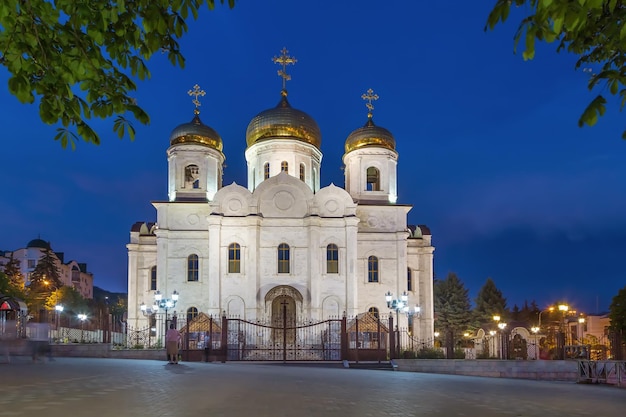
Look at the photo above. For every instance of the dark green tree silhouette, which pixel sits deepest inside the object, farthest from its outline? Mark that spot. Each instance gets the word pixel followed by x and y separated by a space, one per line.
pixel 12 270
pixel 46 277
pixel 452 310
pixel 489 302
pixel 617 314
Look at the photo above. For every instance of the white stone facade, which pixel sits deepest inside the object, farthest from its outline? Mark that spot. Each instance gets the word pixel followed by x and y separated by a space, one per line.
pixel 325 251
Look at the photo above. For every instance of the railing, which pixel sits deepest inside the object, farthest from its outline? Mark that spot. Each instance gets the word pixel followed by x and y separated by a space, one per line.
pixel 602 372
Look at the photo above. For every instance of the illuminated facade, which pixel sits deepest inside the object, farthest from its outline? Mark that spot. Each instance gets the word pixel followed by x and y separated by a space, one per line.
pixel 282 239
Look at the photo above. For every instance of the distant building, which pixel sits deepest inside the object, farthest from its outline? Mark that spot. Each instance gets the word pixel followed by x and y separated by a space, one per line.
pixel 71 273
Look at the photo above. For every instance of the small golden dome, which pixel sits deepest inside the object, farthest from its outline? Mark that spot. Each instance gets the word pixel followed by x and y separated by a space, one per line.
pixel 283 121
pixel 370 135
pixel 196 132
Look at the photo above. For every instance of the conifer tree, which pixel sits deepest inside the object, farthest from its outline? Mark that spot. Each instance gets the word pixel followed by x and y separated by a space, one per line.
pixel 617 314
pixel 46 276
pixel 452 309
pixel 13 272
pixel 489 303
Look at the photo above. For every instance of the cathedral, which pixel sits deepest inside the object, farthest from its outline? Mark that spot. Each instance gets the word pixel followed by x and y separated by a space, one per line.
pixel 282 240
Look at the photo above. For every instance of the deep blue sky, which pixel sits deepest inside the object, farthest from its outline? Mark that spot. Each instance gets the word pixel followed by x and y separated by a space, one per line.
pixel 491 157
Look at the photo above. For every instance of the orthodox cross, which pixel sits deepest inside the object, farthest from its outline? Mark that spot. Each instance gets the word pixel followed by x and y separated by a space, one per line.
pixel 284 60
pixel 196 92
pixel 369 97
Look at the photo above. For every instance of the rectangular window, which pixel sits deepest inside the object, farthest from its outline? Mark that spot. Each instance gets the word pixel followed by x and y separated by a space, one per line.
pixel 283 258
pixel 332 259
pixel 234 258
pixel 32 263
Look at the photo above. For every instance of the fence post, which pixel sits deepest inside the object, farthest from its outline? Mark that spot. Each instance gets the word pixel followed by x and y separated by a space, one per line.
pixel 344 338
pixel 224 337
pixel 392 339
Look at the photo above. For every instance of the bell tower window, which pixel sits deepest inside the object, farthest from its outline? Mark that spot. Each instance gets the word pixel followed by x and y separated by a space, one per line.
pixel 284 167
pixel 192 176
pixel 301 172
pixel 373 179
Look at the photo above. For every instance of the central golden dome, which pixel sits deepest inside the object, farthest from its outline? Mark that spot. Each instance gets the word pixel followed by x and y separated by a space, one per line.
pixel 370 135
pixel 283 121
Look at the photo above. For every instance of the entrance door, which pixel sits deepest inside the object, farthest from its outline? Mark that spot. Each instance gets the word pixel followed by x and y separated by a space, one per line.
pixel 284 319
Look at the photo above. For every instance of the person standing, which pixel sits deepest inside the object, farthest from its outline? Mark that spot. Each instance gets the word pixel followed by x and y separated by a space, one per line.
pixel 172 343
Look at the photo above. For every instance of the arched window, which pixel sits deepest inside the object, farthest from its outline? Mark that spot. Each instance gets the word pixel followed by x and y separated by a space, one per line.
pixel 373 179
pixel 192 313
pixel 372 269
pixel 153 281
pixel 192 176
pixel 409 280
pixel 192 267
pixel 373 311
pixel 283 258
pixel 284 167
pixel 266 170
pixel 332 259
pixel 234 258
pixel 302 172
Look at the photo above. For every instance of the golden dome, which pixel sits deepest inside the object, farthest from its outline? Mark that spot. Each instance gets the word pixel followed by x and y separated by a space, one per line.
pixel 370 135
pixel 283 121
pixel 197 133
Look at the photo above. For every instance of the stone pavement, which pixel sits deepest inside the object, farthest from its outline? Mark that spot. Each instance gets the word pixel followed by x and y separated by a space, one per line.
pixel 77 387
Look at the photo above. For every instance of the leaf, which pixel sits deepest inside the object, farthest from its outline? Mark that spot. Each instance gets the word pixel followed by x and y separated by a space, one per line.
pixel 595 109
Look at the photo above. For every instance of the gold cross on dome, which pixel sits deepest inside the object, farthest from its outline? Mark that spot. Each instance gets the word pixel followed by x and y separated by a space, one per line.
pixel 284 60
pixel 196 92
pixel 369 97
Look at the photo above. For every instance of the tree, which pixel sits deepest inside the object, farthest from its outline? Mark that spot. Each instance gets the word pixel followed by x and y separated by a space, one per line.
pixel 71 300
pixel 8 288
pixel 45 277
pixel 594 30
pixel 13 271
pixel 489 303
pixel 617 313
pixel 452 309
pixel 80 59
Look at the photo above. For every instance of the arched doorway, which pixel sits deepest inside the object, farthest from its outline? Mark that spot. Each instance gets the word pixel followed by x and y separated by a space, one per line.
pixel 284 302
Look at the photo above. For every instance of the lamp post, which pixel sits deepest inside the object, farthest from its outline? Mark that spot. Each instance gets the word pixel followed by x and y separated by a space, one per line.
pixel 535 330
pixel 563 308
pixel 503 341
pixel 59 309
pixel 396 304
pixel 82 317
pixel 492 339
pixel 161 303
pixel 581 332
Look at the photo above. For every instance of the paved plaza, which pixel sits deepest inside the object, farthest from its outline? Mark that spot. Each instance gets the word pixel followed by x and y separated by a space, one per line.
pixel 77 387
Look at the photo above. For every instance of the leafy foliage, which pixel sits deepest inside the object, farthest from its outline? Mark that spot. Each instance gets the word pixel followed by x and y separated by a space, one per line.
pixel 594 30
pixel 71 300
pixel 8 288
pixel 617 313
pixel 452 308
pixel 80 58
pixel 489 302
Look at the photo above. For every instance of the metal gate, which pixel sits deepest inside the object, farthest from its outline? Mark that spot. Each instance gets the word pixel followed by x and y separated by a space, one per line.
pixel 267 341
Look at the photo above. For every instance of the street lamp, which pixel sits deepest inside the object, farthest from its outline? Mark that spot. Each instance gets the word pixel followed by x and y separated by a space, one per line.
pixel 581 332
pixel 59 309
pixel 397 304
pixel 503 340
pixel 535 330
pixel 82 317
pixel 163 303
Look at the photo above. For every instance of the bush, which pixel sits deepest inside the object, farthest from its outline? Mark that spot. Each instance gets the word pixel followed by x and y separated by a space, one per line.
pixel 429 353
pixel 459 353
pixel 409 354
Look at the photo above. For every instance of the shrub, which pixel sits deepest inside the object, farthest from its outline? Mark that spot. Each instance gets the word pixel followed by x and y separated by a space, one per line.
pixel 429 353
